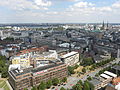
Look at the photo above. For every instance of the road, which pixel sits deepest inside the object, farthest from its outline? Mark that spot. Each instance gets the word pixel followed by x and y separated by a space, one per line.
pixel 73 80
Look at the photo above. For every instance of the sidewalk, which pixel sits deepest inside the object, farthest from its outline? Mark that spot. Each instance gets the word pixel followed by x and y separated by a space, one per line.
pixel 8 85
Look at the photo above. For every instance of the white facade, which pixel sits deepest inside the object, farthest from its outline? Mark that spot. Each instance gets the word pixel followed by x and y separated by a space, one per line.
pixel 110 74
pixel 71 58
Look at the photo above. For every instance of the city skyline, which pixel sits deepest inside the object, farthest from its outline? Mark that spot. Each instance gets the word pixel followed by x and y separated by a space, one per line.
pixel 59 11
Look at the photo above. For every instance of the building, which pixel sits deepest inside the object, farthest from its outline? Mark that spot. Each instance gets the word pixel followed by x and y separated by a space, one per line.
pixel 116 81
pixel 116 69
pixel 44 58
pixel 71 58
pixel 100 82
pixel 26 78
pixel 24 57
pixel 103 80
pixel 110 74
pixel 97 83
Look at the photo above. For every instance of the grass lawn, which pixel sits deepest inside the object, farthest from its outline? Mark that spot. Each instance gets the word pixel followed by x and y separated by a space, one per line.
pixel 4 85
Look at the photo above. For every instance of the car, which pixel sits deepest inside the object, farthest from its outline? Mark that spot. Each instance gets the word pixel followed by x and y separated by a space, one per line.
pixel 64 84
pixel 53 87
pixel 61 83
pixel 58 84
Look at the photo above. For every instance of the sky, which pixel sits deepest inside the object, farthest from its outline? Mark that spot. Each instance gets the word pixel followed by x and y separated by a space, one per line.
pixel 59 11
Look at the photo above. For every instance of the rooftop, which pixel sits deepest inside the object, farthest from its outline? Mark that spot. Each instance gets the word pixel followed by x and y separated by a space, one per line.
pixel 17 72
pixel 117 67
pixel 69 54
pixel 110 74
pixel 105 76
pixel 95 81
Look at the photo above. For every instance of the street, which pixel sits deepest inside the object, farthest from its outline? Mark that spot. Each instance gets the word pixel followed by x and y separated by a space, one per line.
pixel 73 80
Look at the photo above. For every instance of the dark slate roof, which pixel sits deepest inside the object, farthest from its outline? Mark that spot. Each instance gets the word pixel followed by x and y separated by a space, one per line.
pixel 117 67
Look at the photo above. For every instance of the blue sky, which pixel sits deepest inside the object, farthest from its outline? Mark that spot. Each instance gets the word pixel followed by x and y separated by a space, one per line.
pixel 59 11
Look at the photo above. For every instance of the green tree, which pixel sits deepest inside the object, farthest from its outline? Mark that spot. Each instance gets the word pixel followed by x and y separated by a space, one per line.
pixel 62 88
pixel 64 79
pixel 91 86
pixel 86 86
pixel 84 70
pixel 71 70
pixel 76 66
pixel 42 86
pixel 34 88
pixel 55 81
pixel 80 82
pixel 48 83
pixel 89 78
pixel 25 89
pixel 87 61
pixel 3 67
pixel 77 87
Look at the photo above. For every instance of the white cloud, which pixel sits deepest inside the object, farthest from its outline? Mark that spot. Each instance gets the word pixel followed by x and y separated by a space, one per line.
pixel 116 5
pixel 25 4
pixel 105 8
pixel 79 11
pixel 83 4
pixel 43 3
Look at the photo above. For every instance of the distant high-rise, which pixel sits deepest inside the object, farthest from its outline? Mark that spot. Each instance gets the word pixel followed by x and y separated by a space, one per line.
pixel 103 26
pixel 107 27
pixel 118 54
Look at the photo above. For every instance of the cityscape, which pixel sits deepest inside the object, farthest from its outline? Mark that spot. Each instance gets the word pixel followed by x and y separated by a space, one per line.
pixel 59 45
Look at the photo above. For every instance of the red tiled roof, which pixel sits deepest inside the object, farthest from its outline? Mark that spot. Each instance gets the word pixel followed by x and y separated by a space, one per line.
pixel 44 48
pixel 116 80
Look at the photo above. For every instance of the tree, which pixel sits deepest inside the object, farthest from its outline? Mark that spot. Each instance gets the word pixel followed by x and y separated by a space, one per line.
pixel 71 70
pixel 80 82
pixel 86 86
pixel 42 86
pixel 25 89
pixel 9 39
pixel 91 86
pixel 64 79
pixel 3 67
pixel 77 87
pixel 89 78
pixel 48 83
pixel 62 88
pixel 34 88
pixel 76 66
pixel 87 61
pixel 84 70
pixel 55 81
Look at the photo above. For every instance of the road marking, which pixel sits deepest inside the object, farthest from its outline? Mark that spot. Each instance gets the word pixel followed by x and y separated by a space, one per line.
pixel 4 84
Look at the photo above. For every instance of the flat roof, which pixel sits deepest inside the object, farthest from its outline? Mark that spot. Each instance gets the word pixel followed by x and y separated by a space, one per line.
pixel 17 72
pixel 45 67
pixel 105 76
pixel 117 67
pixel 69 54
pixel 110 74
pixel 95 81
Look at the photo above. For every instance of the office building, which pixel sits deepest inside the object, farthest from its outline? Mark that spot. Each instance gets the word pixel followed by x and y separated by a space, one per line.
pixel 26 78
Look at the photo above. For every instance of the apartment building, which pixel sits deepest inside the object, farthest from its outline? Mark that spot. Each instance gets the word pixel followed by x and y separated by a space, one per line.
pixel 20 79
pixel 24 57
pixel 71 58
